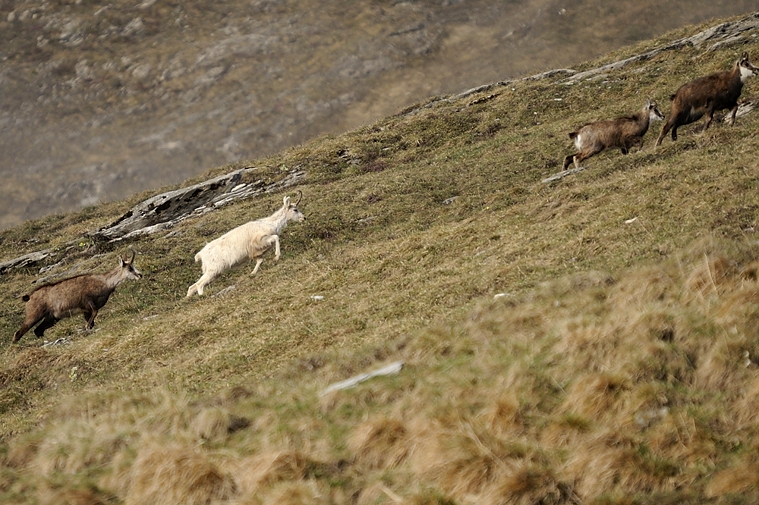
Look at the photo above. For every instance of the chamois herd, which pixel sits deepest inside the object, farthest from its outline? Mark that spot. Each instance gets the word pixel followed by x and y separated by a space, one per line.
pixel 86 294
pixel 693 100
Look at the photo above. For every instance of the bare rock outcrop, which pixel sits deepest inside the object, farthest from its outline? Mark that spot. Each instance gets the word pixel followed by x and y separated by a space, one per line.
pixel 167 209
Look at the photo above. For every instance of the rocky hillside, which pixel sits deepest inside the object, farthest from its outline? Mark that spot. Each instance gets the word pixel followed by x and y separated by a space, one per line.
pixel 99 100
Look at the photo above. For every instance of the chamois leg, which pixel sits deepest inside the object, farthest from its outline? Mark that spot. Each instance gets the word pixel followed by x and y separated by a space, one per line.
pixel 637 141
pixel 20 333
pixel 204 280
pixel 46 323
pixel 192 290
pixel 28 323
pixel 665 129
pixel 201 284
pixel 89 316
pixel 578 158
pixel 568 160
pixel 630 143
pixel 584 155
pixel 733 112
pixel 258 265
pixel 709 117
pixel 276 247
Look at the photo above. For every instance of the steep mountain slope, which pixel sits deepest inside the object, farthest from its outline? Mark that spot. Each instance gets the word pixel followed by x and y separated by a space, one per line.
pixel 590 340
pixel 99 100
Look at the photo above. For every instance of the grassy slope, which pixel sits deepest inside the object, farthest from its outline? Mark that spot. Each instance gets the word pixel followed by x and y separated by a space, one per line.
pixel 612 372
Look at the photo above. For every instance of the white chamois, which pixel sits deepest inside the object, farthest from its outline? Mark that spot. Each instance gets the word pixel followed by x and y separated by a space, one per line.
pixel 250 240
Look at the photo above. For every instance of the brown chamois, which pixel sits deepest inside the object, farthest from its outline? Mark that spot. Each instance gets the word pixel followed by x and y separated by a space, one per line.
pixel 622 132
pixel 707 95
pixel 84 294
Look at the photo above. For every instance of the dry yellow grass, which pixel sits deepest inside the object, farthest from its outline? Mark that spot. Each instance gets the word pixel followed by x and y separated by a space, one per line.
pixel 380 443
pixel 164 475
pixel 615 394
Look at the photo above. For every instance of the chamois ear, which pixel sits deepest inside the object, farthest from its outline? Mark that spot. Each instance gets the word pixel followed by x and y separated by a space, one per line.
pixel 648 103
pixel 744 58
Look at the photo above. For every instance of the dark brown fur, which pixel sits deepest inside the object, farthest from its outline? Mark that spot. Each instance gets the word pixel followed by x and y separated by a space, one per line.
pixel 705 96
pixel 622 132
pixel 84 294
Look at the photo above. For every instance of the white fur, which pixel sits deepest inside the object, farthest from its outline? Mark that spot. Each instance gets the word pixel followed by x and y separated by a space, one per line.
pixel 248 241
pixel 746 73
pixel 578 141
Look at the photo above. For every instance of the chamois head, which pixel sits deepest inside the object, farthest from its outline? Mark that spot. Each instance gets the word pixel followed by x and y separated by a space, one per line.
pixel 745 67
pixel 653 111
pixel 127 268
pixel 291 209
